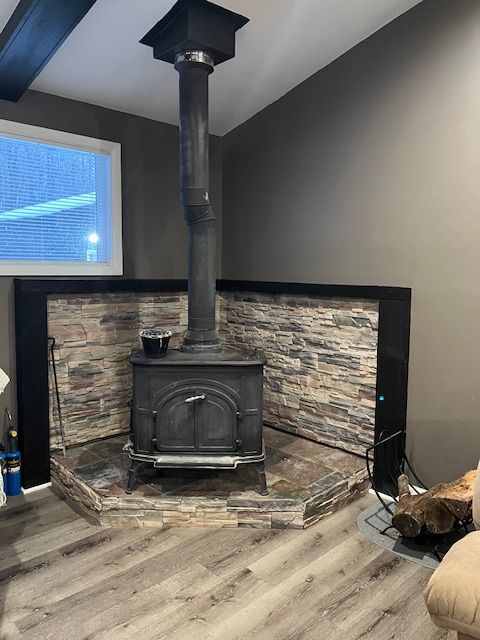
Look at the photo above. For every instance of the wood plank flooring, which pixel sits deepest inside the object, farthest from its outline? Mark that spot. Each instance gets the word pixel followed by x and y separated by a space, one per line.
pixel 62 578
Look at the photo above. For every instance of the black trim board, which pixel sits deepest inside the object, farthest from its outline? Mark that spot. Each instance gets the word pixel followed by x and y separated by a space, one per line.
pixel 95 285
pixel 32 386
pixel 32 362
pixel 392 380
pixel 34 32
pixel 325 290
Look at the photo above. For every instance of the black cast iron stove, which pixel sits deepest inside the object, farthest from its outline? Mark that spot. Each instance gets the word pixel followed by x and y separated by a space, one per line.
pixel 199 406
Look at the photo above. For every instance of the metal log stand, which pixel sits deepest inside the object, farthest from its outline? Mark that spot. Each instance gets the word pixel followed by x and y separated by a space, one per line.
pixel 394 450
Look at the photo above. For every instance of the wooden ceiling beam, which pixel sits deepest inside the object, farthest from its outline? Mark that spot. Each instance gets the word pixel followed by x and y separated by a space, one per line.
pixel 36 29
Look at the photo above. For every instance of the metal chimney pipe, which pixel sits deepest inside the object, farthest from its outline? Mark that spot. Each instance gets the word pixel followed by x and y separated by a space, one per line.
pixel 195 35
pixel 193 68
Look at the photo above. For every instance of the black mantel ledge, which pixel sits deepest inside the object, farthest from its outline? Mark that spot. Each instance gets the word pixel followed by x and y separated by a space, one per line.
pixel 117 284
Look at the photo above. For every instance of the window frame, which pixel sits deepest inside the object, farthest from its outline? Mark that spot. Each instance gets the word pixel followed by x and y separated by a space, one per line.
pixel 32 133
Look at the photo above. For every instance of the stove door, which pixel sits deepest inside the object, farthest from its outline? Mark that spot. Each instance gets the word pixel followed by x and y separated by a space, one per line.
pixel 175 421
pixel 216 417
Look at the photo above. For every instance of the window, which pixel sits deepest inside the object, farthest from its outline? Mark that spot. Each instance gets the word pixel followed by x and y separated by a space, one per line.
pixel 60 203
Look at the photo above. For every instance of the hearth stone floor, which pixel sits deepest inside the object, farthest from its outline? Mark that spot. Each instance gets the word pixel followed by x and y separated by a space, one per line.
pixel 307 481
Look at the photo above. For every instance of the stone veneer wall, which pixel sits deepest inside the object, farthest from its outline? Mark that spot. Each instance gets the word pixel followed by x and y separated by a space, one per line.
pixel 320 376
pixel 95 334
pixel 319 381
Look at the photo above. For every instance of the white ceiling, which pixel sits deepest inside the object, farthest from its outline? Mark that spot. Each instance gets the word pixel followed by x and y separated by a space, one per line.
pixel 285 42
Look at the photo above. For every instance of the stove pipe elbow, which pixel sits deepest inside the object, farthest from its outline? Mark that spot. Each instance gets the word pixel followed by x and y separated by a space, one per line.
pixel 196 205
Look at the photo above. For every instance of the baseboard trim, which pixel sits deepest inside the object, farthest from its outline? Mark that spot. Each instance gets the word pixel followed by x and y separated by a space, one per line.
pixel 39 487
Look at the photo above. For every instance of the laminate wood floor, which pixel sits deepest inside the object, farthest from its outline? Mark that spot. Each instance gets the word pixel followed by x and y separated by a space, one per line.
pixel 62 578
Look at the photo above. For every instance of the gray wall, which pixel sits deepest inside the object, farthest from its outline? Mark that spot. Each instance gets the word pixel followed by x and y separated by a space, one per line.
pixel 369 173
pixel 154 233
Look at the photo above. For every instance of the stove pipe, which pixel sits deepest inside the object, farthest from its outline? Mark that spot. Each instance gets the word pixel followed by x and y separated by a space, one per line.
pixel 195 35
pixel 194 67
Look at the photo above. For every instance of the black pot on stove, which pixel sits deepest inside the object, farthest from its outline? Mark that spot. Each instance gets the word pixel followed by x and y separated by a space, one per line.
pixel 155 342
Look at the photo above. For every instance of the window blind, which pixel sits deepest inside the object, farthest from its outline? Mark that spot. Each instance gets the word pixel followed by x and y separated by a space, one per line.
pixel 55 203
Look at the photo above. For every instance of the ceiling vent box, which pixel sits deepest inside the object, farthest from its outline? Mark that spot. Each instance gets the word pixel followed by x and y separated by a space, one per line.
pixel 192 25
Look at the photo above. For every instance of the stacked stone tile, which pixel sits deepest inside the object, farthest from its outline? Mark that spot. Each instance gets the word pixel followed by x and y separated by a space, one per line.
pixel 319 380
pixel 95 335
pixel 261 513
pixel 321 362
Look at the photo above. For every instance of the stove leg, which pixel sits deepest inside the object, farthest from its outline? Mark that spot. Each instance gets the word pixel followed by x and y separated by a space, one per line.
pixel 262 480
pixel 132 472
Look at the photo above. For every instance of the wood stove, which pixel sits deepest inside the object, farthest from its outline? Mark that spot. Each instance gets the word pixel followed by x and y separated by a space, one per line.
pixel 198 406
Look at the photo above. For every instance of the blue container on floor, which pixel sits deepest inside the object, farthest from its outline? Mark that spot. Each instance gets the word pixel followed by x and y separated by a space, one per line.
pixel 13 476
pixel 14 479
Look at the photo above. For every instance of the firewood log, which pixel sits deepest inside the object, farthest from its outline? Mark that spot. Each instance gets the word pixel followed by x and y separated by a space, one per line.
pixel 438 518
pixel 437 511
pixel 449 503
pixel 408 518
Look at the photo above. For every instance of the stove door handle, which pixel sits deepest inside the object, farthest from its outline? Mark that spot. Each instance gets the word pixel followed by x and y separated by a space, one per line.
pixel 193 398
